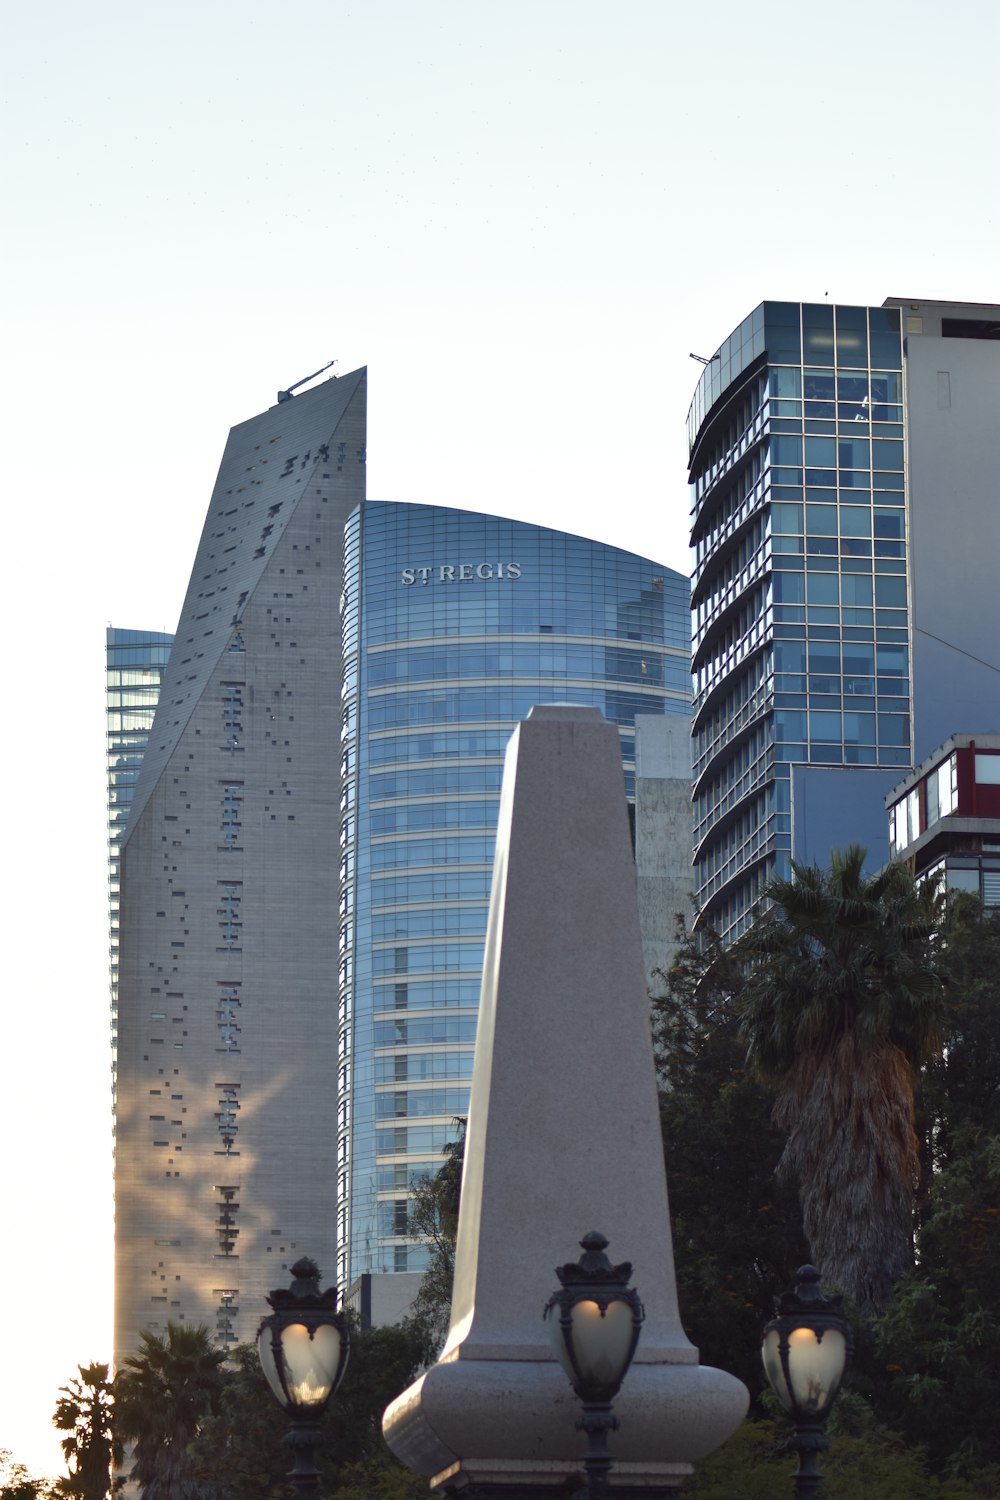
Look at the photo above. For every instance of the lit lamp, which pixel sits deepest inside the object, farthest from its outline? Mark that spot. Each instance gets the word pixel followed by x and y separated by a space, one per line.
pixel 805 1349
pixel 303 1349
pixel 594 1321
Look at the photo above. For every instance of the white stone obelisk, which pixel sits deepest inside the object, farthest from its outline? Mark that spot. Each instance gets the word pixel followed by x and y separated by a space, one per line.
pixel 563 1137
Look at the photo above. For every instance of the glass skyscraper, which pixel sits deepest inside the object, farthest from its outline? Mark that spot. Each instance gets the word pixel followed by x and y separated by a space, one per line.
pixel 455 624
pixel 829 647
pixel 135 660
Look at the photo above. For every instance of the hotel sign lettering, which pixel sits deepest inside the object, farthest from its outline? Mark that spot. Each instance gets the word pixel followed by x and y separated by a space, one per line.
pixel 460 573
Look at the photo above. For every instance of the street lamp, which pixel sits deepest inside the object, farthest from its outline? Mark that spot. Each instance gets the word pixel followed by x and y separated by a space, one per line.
pixel 303 1349
pixel 805 1349
pixel 594 1338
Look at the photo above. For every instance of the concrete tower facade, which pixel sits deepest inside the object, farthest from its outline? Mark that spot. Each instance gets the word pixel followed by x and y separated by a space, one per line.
pixel 228 947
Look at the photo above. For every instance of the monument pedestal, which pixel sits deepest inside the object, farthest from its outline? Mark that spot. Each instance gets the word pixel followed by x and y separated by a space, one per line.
pixel 563 1138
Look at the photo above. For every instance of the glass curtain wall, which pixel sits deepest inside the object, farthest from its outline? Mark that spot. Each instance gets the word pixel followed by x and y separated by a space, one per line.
pixel 799 602
pixel 135 660
pixel 455 625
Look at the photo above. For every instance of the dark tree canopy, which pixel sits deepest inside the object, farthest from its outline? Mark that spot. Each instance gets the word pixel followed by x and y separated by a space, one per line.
pixel 842 1002
pixel 163 1395
pixel 84 1413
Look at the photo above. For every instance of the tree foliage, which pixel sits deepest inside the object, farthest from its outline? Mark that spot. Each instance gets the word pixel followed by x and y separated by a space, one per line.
pixel 163 1395
pixel 84 1412
pixel 842 1002
pixel 434 1217
pixel 240 1448
pixel 17 1483
pixel 736 1229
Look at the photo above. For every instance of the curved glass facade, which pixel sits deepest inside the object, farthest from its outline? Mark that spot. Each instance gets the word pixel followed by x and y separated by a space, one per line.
pixel 799 598
pixel 454 625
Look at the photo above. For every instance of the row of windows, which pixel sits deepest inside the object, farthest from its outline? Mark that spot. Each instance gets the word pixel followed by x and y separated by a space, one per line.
pixel 444 885
pixel 817 335
pixel 420 817
pixel 400 1104
pixel 430 958
pixel 450 705
pixel 436 1030
pixel 474 849
pixel 454 744
pixel 423 1066
pixel 423 994
pixel 430 662
pixel 446 921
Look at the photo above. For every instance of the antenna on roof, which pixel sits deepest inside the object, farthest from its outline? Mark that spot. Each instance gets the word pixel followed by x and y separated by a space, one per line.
pixel 287 395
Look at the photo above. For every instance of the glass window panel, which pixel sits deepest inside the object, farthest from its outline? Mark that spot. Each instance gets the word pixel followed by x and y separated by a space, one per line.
pixel 789 724
pixel 887 453
pixel 988 770
pixel 821 520
pixel 784 380
pixel 824 657
pixel 825 726
pixel 817 331
pixel 856 588
pixel 789 656
pixel 786 518
pixel 821 451
pixel 889 523
pixel 789 588
pixel 822 588
pixel 855 520
pixel 886 348
pixel 854 452
pixel 893 729
pixel 819 385
pixel 852 388
pixel 786 449
pixel 859 729
pixel 890 591
pixel 852 337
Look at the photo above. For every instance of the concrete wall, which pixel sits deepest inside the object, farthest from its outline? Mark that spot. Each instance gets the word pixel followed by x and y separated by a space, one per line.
pixel 953 394
pixel 663 836
pixel 225 1156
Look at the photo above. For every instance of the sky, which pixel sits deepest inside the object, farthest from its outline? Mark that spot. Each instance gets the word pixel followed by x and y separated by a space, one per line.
pixel 524 217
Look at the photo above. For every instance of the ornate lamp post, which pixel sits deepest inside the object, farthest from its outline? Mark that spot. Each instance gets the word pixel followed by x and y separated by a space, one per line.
pixel 805 1349
pixel 594 1321
pixel 303 1349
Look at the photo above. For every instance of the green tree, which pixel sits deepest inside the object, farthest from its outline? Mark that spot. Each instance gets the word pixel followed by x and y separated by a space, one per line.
pixel 240 1449
pixel 162 1396
pixel 84 1412
pixel 874 1464
pixel 938 1338
pixel 16 1483
pixel 842 1003
pixel 433 1217
pixel 737 1231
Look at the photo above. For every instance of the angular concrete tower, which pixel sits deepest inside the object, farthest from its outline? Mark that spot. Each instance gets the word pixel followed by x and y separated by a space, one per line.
pixel 227 1045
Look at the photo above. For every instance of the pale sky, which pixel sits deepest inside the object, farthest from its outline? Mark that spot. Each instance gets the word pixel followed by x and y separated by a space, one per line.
pixel 522 216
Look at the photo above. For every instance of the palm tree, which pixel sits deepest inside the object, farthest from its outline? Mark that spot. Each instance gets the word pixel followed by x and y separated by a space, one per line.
pixel 162 1395
pixel 842 1004
pixel 84 1412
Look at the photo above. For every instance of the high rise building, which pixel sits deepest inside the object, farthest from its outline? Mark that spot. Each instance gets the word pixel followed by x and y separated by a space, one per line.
pixel 307 863
pixel 844 602
pixel 135 660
